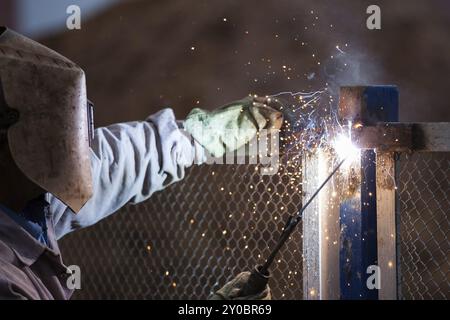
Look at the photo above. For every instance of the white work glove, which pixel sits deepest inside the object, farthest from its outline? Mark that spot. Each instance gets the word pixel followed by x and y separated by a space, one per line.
pixel 230 127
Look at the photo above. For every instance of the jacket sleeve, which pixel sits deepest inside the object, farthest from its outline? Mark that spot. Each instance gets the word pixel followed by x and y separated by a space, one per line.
pixel 130 161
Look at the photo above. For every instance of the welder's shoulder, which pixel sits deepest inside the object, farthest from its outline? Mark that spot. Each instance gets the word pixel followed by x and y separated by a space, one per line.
pixel 6 284
pixel 12 277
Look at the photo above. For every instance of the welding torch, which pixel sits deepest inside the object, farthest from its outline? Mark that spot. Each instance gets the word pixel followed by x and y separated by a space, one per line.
pixel 259 277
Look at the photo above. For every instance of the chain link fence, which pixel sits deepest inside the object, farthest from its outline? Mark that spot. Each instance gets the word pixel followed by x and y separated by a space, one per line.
pixel 190 239
pixel 424 222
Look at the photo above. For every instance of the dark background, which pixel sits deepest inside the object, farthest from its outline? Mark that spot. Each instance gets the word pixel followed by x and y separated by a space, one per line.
pixel 138 58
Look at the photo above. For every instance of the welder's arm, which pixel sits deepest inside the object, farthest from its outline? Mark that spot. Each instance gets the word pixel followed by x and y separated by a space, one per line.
pixel 130 161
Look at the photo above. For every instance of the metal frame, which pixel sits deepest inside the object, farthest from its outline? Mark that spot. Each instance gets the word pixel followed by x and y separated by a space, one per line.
pixel 356 227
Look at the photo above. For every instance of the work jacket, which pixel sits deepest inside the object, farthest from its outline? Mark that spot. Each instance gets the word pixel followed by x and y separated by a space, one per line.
pixel 129 162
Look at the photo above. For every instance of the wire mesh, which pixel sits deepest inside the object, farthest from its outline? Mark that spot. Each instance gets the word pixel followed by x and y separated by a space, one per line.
pixel 424 223
pixel 190 239
pixel 187 241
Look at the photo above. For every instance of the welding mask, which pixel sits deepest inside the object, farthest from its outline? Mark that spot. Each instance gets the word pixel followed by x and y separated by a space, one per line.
pixel 47 118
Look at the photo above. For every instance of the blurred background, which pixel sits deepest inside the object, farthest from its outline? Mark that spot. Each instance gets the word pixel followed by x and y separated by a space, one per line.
pixel 140 56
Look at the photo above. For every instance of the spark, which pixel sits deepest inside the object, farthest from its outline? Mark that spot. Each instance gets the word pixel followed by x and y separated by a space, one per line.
pixel 339 49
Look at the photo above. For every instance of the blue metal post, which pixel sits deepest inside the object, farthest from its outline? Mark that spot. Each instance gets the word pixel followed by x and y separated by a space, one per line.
pixel 358 214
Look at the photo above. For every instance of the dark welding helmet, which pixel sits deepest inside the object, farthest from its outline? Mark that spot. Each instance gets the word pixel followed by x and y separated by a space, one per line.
pixel 47 117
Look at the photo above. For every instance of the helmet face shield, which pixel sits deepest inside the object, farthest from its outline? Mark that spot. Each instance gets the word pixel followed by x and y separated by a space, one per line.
pixel 50 141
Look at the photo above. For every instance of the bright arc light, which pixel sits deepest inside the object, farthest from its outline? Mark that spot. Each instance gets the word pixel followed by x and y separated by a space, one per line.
pixel 345 149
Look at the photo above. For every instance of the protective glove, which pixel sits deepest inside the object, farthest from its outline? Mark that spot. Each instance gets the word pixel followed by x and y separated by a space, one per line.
pixel 232 290
pixel 233 125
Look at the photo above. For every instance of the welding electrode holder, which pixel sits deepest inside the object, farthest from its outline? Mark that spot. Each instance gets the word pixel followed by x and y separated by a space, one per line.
pixel 260 275
pixel 256 283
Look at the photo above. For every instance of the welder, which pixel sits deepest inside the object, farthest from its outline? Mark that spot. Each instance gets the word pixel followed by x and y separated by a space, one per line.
pixel 60 175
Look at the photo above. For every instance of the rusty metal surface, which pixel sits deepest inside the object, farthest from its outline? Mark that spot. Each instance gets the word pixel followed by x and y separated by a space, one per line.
pixel 50 141
pixel 384 137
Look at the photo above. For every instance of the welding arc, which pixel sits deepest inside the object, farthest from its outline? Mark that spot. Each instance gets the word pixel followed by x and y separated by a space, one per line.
pixel 260 275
